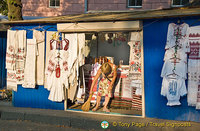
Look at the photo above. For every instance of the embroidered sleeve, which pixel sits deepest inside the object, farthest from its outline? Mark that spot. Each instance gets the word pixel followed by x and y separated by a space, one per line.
pixel 66 45
pixel 50 67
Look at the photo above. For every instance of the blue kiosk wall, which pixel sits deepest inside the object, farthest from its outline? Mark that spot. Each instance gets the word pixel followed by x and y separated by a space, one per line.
pixel 155 34
pixel 38 97
pixel 3 38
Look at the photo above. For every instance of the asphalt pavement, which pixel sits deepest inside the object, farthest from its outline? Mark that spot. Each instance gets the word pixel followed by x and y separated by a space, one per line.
pixel 19 125
pixel 45 119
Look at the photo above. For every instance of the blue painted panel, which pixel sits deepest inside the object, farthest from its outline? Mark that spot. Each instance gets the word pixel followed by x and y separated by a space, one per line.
pixel 35 98
pixel 3 40
pixel 155 34
pixel 38 97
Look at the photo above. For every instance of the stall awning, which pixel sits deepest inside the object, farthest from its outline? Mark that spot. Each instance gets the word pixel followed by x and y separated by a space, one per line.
pixel 100 26
pixel 115 16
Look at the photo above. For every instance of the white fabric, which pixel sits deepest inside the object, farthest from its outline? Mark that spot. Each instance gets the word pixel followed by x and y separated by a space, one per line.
pixel 81 91
pixel 182 40
pixel 135 36
pixel 40 36
pixel 117 88
pixel 193 81
pixel 30 66
pixel 135 52
pixel 73 51
pixel 47 51
pixel 138 85
pixel 81 47
pixel 180 55
pixel 15 58
pixel 10 51
pixel 194 68
pixel 56 85
pixel 53 84
pixel 95 68
pixel 180 69
pixel 173 89
pixel 11 80
pixel 127 90
pixel 20 55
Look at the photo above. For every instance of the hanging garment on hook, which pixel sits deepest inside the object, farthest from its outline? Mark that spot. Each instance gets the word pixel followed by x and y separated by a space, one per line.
pixel 178 34
pixel 56 72
pixel 57 75
pixel 173 89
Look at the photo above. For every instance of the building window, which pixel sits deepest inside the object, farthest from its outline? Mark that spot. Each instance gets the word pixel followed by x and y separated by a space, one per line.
pixel 134 3
pixel 178 3
pixel 54 3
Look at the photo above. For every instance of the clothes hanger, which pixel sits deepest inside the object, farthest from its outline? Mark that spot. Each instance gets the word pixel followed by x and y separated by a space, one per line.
pixel 172 74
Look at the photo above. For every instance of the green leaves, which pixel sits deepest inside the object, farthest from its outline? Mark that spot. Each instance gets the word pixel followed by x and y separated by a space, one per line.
pixel 3 7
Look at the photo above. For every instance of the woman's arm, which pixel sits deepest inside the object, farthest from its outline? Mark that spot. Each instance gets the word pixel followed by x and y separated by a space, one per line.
pixel 114 77
pixel 95 80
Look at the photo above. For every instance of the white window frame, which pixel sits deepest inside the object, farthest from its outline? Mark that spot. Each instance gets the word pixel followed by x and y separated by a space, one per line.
pixel 133 6
pixel 177 5
pixel 55 4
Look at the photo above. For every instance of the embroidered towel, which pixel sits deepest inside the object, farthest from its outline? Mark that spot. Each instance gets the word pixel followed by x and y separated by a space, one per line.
pixel 194 67
pixel 20 55
pixel 10 60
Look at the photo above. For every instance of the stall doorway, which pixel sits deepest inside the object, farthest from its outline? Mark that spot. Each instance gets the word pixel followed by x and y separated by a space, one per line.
pixel 125 51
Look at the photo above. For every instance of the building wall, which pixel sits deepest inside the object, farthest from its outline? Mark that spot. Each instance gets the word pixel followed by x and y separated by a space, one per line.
pixel 155 34
pixel 41 7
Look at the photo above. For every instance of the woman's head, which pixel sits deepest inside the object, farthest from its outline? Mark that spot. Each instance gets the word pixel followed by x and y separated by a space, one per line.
pixel 106 69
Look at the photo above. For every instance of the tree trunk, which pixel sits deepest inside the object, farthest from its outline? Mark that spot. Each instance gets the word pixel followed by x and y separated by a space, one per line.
pixel 14 10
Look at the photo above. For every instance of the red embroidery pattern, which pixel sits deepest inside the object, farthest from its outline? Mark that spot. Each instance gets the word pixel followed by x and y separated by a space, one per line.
pixel 194 50
pixel 65 65
pixel 194 35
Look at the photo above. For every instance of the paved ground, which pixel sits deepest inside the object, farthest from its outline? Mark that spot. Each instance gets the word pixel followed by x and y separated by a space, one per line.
pixel 19 125
pixel 23 119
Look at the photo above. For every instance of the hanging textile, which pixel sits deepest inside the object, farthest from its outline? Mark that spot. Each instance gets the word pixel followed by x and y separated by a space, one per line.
pixel 81 87
pixel 81 49
pixel 15 58
pixel 173 89
pixel 135 52
pixel 194 67
pixel 138 85
pixel 20 55
pixel 73 63
pixel 174 70
pixel 10 61
pixel 73 49
pixel 40 37
pixel 56 71
pixel 127 89
pixel 30 65
pixel 48 54
pixel 178 33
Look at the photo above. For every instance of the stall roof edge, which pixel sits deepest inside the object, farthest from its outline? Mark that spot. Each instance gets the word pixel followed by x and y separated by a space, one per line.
pixel 114 16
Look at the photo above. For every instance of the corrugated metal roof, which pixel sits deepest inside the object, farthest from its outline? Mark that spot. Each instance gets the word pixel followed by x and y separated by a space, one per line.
pixel 116 16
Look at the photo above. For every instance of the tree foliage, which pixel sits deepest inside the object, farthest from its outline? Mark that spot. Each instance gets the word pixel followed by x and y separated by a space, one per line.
pixel 3 7
pixel 14 10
